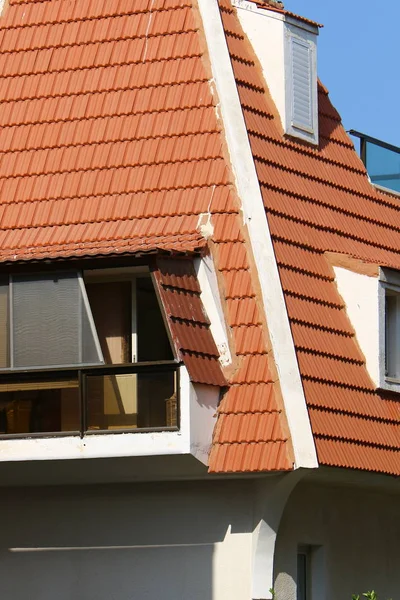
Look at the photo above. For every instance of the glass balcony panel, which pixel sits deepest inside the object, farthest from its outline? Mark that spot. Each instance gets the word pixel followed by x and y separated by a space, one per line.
pixel 383 166
pixel 39 406
pixel 131 401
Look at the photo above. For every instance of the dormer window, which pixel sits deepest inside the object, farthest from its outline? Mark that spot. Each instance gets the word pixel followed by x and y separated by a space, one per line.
pixel 84 352
pixel 286 47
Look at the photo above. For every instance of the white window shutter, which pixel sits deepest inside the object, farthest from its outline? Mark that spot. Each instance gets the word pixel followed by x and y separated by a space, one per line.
pixel 302 85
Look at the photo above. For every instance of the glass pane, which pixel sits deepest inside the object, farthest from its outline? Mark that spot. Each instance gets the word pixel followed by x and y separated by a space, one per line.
pixel 301 577
pixel 383 166
pixel 111 305
pixel 153 341
pixel 51 326
pixel 392 316
pixel 39 406
pixel 131 400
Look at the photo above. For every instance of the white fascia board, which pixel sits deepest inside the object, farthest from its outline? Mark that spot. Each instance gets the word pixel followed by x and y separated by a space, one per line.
pixel 210 298
pixel 255 218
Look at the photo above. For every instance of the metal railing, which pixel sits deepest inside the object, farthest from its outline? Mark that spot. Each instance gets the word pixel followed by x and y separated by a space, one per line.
pixel 382 161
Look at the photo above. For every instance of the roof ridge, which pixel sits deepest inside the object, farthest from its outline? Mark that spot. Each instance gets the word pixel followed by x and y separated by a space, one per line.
pixel 120 140
pixel 336 208
pixel 115 15
pixel 349 413
pixel 326 328
pixel 313 299
pixel 129 87
pixel 332 355
pixel 301 149
pixel 304 271
pixel 358 442
pixel 333 230
pixel 108 39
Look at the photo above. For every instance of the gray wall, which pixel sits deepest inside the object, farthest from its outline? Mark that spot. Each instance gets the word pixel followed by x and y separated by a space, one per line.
pixel 73 543
pixel 355 534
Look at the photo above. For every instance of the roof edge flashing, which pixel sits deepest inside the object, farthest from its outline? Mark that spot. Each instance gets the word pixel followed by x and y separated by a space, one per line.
pixel 255 219
pixel 207 277
pixel 287 50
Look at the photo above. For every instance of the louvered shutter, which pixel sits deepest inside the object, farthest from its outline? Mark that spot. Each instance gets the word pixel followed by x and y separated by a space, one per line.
pixel 302 81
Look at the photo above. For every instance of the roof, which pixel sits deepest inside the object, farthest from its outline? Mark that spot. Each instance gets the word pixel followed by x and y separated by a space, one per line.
pixel 264 4
pixel 111 144
pixel 180 294
pixel 319 200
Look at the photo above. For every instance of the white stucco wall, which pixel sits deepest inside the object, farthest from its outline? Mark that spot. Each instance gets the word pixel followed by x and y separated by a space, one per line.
pixel 355 537
pixel 175 541
pixel 360 294
pixel 269 33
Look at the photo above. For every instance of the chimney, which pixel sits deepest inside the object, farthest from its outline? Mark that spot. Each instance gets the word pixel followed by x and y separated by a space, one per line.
pixel 286 46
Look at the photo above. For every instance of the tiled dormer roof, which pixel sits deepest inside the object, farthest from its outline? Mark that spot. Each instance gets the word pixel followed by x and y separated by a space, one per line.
pixel 319 200
pixel 110 143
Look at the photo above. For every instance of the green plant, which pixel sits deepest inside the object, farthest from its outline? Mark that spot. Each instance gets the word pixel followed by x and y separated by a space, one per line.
pixel 369 595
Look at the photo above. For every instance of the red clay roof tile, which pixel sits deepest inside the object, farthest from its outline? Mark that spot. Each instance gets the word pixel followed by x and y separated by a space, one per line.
pixel 249 339
pixel 252 457
pixel 317 200
pixel 111 144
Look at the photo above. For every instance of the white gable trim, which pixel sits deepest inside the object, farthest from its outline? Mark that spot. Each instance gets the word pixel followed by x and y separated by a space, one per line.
pixel 256 221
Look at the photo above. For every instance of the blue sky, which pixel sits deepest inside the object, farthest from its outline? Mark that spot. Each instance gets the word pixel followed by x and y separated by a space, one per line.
pixel 358 61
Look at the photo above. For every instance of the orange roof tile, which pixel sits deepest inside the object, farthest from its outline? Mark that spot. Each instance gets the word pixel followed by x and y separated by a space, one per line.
pixel 111 144
pixel 317 200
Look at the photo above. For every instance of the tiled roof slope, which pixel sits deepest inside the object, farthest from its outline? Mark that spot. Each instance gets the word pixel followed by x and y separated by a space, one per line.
pixel 180 295
pixel 320 200
pixel 109 144
pixel 109 141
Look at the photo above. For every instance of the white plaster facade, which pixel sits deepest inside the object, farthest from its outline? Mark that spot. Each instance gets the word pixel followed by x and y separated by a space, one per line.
pixel 360 293
pixel 353 534
pixel 195 539
pixel 172 540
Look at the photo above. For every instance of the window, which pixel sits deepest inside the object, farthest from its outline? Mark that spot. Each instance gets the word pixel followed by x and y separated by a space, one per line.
pixel 84 353
pixel 303 573
pixel 389 329
pixel 310 573
pixel 301 85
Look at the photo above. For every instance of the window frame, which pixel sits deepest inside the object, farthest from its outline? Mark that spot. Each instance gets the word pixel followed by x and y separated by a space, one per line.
pixel 82 371
pixel 389 281
pixel 295 35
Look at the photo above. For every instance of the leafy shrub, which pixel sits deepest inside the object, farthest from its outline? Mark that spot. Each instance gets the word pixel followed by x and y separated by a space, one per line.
pixel 369 595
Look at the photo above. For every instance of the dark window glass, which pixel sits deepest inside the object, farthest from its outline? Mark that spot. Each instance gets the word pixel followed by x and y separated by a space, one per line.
pixel 302 576
pixel 40 406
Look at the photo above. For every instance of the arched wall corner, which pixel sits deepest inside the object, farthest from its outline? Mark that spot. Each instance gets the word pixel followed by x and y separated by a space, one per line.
pixel 271 499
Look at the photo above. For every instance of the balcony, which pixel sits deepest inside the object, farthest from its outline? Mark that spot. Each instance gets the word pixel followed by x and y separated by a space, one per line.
pixel 102 399
pixel 381 160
